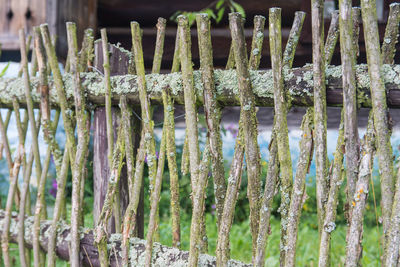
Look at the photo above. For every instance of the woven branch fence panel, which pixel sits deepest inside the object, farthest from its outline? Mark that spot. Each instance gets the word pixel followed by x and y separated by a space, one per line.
pixel 108 86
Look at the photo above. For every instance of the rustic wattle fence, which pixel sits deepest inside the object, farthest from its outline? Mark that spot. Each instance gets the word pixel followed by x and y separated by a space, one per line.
pixel 107 83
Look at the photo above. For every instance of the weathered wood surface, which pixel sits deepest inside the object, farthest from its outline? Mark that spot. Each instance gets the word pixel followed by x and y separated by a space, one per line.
pixel 146 12
pixel 163 255
pixel 298 81
pixel 120 63
pixel 15 14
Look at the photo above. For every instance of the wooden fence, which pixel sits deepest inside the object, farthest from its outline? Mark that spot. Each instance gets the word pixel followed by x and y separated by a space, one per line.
pixel 105 83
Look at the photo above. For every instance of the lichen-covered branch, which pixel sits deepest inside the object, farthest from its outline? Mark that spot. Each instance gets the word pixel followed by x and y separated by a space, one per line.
pixel 257 42
pixel 37 256
pixel 297 196
pixel 82 146
pixel 169 125
pixel 388 52
pixel 100 231
pixel 130 165
pixel 273 163
pixel 189 98
pixel 152 232
pixel 24 206
pixel 336 178
pixel 230 63
pixel 332 37
pixel 293 39
pixel 379 108
pixel 109 120
pixel 281 108
pixel 391 34
pixel 148 123
pixel 356 16
pixel 196 235
pixel 40 207
pixel 28 47
pixel 9 205
pixel 212 111
pixel 49 134
pixel 317 7
pixel 235 174
pixel 5 123
pixel 131 210
pixel 159 50
pixel 154 201
pixel 347 52
pixel 6 144
pixel 266 205
pixel 86 54
pixel 60 91
pixel 247 103
pixel 234 180
pixel 58 209
pixel 298 82
pixel 393 240
pixel 359 200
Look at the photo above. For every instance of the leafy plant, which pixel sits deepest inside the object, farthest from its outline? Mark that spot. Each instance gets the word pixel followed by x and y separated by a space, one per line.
pixel 3 72
pixel 216 10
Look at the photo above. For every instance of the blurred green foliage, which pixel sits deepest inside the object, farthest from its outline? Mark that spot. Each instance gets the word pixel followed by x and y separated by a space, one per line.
pixel 216 11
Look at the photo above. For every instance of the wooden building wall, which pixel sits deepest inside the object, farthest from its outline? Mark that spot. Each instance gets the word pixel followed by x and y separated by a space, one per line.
pixel 115 15
pixel 15 14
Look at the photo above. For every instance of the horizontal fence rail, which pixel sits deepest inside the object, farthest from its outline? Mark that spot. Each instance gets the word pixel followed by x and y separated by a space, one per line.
pixel 298 83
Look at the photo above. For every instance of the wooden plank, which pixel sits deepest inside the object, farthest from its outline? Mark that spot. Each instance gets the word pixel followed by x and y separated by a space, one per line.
pixel 83 13
pixel 119 64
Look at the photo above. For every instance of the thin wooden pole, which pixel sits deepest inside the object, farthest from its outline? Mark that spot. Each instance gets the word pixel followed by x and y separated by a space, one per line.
pixel 273 166
pixel 379 109
pixel 281 108
pixel 336 178
pixel 82 145
pixel 293 39
pixel 297 196
pixel 391 34
pixel 171 153
pixel 257 41
pixel 332 37
pixel 234 179
pixel 6 122
pixel 152 232
pixel 38 168
pixel 13 181
pixel 25 206
pixel 213 111
pixel 388 52
pixel 59 85
pixel 115 172
pixel 317 7
pixel 252 151
pixel 197 233
pixel 347 51
pixel 148 123
pixel 360 196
